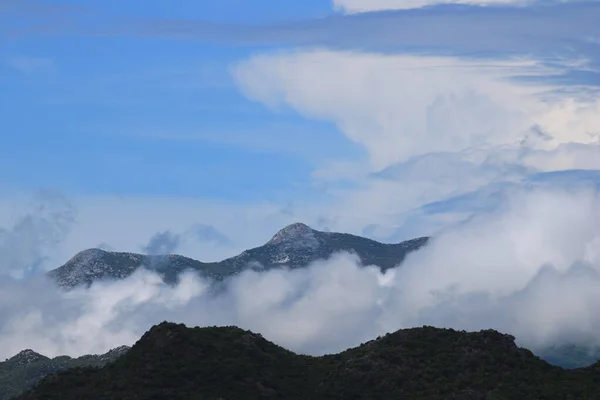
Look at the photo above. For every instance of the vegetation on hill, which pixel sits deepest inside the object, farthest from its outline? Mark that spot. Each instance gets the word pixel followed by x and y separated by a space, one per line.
pixel 27 368
pixel 174 362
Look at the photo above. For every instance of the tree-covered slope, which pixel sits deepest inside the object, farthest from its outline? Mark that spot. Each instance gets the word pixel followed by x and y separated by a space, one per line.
pixel 174 362
pixel 27 368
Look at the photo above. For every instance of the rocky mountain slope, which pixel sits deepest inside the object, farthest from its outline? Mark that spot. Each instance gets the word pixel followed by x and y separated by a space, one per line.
pixel 174 362
pixel 27 368
pixel 296 246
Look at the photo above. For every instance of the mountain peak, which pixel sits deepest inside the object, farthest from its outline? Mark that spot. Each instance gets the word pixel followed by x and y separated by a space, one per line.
pixel 115 353
pixel 25 357
pixel 301 234
pixel 91 264
pixel 88 254
pixel 295 246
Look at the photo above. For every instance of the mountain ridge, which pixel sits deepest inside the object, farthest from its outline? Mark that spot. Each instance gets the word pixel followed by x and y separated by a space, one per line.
pixel 27 368
pixel 176 362
pixel 295 246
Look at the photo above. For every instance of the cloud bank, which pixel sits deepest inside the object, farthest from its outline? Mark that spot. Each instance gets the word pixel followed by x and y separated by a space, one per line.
pixel 432 127
pixel 399 106
pixel 530 267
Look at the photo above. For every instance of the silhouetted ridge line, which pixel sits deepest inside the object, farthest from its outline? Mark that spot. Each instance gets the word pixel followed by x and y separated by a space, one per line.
pixel 175 362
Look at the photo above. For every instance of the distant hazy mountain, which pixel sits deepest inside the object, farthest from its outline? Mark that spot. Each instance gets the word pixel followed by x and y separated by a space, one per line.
pixel 570 356
pixel 27 368
pixel 295 246
pixel 174 362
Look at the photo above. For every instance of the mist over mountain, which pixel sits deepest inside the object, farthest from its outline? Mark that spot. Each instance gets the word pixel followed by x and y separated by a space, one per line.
pixel 147 148
pixel 295 246
pixel 175 362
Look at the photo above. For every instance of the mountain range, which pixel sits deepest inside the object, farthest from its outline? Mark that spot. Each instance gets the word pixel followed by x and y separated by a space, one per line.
pixel 27 368
pixel 295 246
pixel 172 361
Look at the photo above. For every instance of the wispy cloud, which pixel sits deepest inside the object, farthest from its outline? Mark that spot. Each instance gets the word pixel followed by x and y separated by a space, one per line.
pixel 165 242
pixel 547 30
pixel 168 242
pixel 543 31
pixel 358 6
pixel 25 246
pixel 31 65
pixel 24 17
pixel 38 8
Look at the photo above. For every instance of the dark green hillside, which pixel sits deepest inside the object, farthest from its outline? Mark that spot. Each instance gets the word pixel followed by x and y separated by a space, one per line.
pixel 174 362
pixel 27 368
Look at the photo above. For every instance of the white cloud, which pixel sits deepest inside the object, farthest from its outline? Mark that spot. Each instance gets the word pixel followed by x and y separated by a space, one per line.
pixel 86 320
pixel 399 106
pixel 565 157
pixel 444 125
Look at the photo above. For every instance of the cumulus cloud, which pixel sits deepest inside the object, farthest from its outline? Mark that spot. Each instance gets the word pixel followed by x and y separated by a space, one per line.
pixel 530 267
pixel 399 106
pixel 432 127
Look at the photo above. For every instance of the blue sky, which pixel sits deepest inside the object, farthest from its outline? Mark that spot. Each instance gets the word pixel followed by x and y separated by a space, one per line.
pixel 148 116
pixel 244 116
